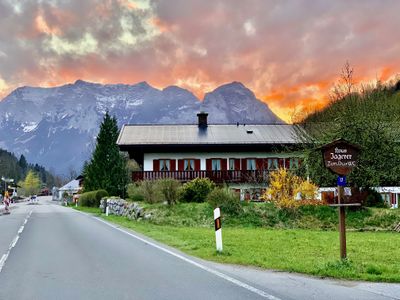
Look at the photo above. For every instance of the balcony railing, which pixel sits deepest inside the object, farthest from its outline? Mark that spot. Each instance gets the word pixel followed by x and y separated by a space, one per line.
pixel 240 176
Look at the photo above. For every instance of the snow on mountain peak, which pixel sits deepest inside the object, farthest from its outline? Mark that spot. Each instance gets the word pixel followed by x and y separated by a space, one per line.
pixel 54 125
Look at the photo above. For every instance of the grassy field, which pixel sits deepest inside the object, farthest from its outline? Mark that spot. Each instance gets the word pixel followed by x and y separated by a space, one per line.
pixel 372 256
pixel 266 215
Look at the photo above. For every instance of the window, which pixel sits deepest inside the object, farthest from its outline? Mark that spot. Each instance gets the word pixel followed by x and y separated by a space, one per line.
pixel 272 163
pixel 216 165
pixel 188 164
pixel 251 164
pixel 294 163
pixel 232 164
pixel 165 165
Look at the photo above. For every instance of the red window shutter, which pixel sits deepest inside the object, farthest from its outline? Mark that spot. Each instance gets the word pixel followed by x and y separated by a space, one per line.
pixel 172 163
pixel 287 163
pixel 180 164
pixel 260 164
pixel 224 165
pixel 244 164
pixel 281 162
pixel 237 164
pixel 300 162
pixel 197 164
pixel 156 165
pixel 208 164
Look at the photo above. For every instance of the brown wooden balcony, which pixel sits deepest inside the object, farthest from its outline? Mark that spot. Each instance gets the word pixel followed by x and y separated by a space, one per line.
pixel 240 176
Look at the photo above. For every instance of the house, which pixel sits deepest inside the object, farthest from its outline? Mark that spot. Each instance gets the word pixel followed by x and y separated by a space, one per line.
pixel 239 155
pixel 71 188
pixel 390 195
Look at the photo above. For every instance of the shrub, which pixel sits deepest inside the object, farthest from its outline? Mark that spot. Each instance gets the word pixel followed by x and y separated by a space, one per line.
pixel 289 191
pixel 87 199
pixel 169 188
pixel 150 192
pixel 374 199
pixel 100 194
pixel 196 190
pixel 92 199
pixel 226 200
pixel 134 192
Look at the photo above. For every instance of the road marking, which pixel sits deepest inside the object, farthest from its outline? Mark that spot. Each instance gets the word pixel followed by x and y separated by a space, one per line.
pixel 205 268
pixel 14 242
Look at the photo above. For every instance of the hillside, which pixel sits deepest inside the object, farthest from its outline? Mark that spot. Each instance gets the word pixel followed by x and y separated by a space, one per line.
pixel 12 167
pixel 369 118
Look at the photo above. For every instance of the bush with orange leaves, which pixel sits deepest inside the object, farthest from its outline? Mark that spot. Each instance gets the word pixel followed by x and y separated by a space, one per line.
pixel 287 190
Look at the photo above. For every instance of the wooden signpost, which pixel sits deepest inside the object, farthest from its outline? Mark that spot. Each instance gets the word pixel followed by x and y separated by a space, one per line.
pixel 341 157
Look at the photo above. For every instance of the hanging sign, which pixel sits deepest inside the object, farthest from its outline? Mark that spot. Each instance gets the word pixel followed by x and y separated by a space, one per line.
pixel 340 157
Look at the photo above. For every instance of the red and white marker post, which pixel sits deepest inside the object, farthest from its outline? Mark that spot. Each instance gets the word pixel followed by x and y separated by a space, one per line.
pixel 218 229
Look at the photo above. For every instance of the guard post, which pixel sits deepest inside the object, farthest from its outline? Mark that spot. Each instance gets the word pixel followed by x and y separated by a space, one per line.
pixel 218 229
pixel 341 157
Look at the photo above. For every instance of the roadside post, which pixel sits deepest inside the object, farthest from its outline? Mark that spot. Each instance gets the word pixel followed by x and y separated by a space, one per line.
pixel 341 157
pixel 218 229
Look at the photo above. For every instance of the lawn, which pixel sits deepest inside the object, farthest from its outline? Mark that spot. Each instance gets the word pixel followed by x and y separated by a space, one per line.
pixel 372 256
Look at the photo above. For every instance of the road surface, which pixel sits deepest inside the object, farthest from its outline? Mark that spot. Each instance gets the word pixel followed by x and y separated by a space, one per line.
pixel 52 252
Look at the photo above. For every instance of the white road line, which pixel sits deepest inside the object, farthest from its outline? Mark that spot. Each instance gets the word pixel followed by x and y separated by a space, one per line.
pixel 3 260
pixel 205 268
pixel 14 242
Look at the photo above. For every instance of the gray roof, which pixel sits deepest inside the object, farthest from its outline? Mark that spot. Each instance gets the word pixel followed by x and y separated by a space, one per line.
pixel 213 135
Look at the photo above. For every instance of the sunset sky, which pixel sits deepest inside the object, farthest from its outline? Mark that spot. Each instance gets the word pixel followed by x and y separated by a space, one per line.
pixel 289 53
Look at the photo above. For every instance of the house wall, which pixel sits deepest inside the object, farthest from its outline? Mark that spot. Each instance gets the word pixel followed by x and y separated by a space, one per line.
pixel 391 195
pixel 149 157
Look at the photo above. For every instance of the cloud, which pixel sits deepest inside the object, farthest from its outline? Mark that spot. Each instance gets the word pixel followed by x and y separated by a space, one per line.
pixel 288 52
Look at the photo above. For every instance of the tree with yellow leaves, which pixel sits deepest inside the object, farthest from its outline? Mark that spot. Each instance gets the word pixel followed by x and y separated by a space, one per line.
pixel 287 190
pixel 31 184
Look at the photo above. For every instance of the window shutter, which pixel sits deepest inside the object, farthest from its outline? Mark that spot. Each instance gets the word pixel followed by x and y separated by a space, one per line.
pixel 180 164
pixel 281 162
pixel 244 164
pixel 156 165
pixel 287 163
pixel 173 164
pixel 237 164
pixel 197 164
pixel 208 164
pixel 260 164
pixel 224 165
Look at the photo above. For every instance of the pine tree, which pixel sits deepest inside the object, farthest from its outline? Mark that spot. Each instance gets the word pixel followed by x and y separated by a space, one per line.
pixel 107 168
pixel 23 164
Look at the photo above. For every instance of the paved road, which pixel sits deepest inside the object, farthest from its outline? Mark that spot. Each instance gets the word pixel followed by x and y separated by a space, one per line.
pixel 51 252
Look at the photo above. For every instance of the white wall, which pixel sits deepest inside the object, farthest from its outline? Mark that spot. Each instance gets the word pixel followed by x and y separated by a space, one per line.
pixel 149 157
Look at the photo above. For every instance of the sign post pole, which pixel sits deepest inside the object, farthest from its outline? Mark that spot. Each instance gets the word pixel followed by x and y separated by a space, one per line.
pixel 341 157
pixel 342 224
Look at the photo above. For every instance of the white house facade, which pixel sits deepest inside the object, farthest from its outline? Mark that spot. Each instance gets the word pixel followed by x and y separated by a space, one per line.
pixel 240 156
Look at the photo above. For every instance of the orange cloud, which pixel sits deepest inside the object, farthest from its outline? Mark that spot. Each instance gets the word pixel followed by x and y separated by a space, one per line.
pixel 288 53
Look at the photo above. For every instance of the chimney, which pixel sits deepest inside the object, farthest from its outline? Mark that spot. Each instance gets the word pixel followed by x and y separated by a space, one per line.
pixel 202 117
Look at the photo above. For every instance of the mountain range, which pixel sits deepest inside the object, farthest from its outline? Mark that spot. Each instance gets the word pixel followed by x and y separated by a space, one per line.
pixel 57 127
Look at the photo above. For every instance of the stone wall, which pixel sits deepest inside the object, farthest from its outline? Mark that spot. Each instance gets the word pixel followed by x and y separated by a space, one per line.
pixel 120 207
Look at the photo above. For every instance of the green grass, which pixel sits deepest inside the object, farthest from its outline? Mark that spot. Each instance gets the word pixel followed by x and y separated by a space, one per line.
pixel 372 256
pixel 266 215
pixel 92 210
